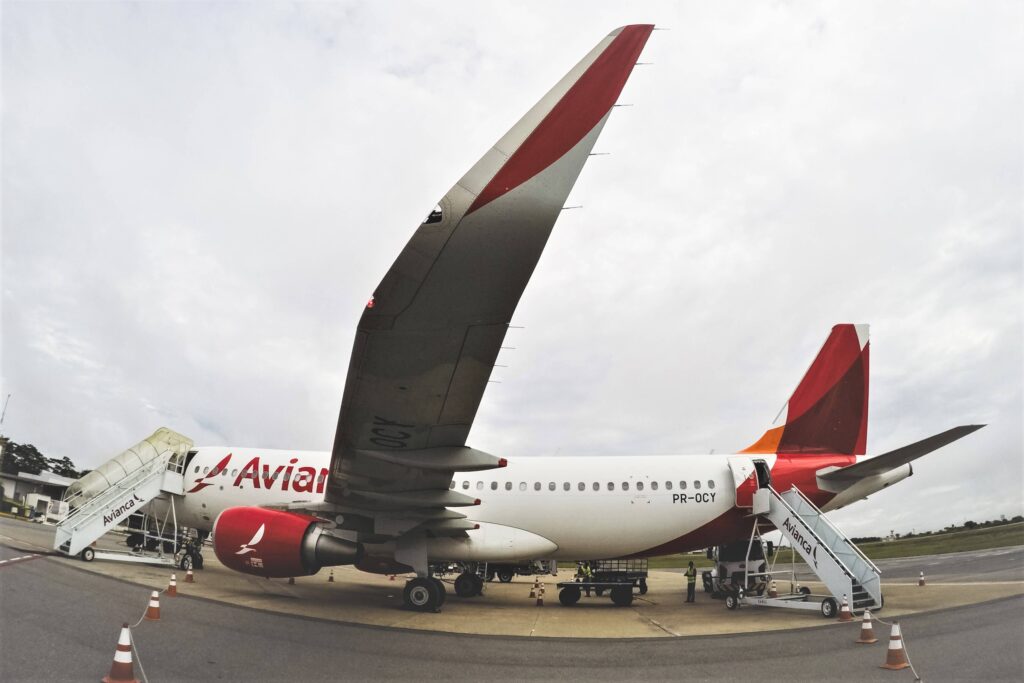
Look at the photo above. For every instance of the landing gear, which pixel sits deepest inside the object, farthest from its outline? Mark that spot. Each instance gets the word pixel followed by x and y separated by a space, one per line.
pixel 186 562
pixel 468 585
pixel 423 594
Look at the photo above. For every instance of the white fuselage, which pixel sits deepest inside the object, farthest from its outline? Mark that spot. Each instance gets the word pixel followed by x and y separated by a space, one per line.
pixel 584 506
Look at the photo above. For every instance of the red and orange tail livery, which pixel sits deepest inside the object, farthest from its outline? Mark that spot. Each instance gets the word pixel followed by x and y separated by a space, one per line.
pixel 828 412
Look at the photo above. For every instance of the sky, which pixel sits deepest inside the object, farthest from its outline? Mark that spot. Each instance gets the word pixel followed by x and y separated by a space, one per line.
pixel 199 198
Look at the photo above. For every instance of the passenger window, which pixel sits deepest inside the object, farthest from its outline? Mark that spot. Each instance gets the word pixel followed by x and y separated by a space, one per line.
pixel 551 486
pixel 522 486
pixel 625 486
pixel 234 473
pixel 536 486
pixel 597 486
pixel 224 471
pixel 711 483
pixel 479 486
pixel 205 470
pixel 682 486
pixel 565 486
pixel 654 486
pixel 494 486
pixel 668 486
pixel 508 486
pixel 465 485
pixel 197 469
pixel 696 484
pixel 639 486
pixel 582 487
pixel 611 486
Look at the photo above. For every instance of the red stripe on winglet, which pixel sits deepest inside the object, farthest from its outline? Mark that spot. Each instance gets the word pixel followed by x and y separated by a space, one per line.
pixel 580 109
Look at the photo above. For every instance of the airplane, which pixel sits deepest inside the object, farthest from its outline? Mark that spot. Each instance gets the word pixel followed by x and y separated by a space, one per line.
pixel 402 488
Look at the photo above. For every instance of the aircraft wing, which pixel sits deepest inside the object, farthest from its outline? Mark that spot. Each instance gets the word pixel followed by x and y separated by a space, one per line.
pixel 901 456
pixel 429 337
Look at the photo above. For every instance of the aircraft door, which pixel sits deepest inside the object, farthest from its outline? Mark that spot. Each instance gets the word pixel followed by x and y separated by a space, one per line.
pixel 744 477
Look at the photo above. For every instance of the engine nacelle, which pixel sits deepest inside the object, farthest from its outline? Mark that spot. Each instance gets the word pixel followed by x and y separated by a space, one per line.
pixel 278 544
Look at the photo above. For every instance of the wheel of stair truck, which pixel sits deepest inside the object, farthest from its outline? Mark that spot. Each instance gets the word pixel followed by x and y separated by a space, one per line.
pixel 622 596
pixel 569 596
pixel 88 555
pixel 805 591
pixel 423 594
pixel 643 586
pixel 731 601
pixel 829 608
pixel 466 585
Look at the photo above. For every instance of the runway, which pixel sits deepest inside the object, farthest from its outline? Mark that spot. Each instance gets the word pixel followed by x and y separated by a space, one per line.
pixel 61 623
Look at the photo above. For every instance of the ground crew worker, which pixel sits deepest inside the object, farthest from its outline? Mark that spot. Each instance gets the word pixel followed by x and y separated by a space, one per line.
pixel 588 574
pixel 691 583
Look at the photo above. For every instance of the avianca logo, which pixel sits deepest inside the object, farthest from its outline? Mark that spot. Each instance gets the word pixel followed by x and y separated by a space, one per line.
pixel 258 475
pixel 256 538
pixel 201 482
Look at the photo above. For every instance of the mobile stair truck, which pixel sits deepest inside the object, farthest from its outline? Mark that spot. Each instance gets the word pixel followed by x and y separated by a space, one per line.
pixel 134 491
pixel 835 560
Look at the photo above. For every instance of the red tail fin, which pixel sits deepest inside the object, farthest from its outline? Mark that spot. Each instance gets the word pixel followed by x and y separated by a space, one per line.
pixel 828 412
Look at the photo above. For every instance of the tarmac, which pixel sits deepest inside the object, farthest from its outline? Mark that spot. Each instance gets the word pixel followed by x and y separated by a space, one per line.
pixel 355 597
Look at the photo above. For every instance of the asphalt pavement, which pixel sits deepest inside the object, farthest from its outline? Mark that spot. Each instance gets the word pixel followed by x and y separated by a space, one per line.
pixel 61 623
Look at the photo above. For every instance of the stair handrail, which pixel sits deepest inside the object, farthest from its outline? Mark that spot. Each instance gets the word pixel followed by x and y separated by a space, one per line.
pixel 821 515
pixel 132 480
pixel 842 565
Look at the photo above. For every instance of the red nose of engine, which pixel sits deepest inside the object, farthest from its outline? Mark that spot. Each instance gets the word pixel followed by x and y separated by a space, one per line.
pixel 263 542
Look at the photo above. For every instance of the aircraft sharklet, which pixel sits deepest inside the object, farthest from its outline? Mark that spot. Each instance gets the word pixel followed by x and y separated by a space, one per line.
pixel 441 458
pixel 834 558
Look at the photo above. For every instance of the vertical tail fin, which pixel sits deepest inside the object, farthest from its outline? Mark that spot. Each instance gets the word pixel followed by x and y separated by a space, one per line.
pixel 828 412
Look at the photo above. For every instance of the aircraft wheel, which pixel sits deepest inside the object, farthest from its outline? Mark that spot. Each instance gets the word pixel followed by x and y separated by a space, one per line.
pixel 186 562
pixel 88 555
pixel 440 586
pixel 569 596
pixel 829 608
pixel 505 575
pixel 622 596
pixel 732 602
pixel 467 585
pixel 422 595
pixel 197 560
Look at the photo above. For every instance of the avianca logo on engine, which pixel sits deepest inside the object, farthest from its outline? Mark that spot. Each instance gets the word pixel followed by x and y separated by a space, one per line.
pixel 256 538
pixel 283 478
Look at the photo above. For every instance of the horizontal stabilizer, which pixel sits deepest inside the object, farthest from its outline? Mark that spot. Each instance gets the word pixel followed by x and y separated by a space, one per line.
pixel 901 456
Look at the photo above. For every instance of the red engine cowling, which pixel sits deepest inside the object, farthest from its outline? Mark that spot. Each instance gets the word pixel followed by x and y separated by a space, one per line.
pixel 277 544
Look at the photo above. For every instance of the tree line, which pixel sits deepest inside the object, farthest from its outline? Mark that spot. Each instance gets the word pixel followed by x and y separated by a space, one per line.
pixel 26 458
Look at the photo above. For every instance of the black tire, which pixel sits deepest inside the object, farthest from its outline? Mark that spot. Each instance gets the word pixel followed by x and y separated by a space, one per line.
pixel 760 590
pixel 185 563
pixel 134 540
pixel 731 601
pixel 804 590
pixel 466 585
pixel 829 608
pixel 599 592
pixel 197 560
pixel 505 575
pixel 569 596
pixel 622 596
pixel 442 593
pixel 643 587
pixel 422 595
pixel 87 555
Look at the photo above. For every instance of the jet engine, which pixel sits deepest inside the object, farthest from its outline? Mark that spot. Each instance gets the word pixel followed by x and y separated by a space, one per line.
pixel 278 544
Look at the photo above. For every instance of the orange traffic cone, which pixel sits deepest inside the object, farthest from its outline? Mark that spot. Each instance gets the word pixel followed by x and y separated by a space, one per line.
pixel 392 578
pixel 867 634
pixel 773 592
pixel 172 587
pixel 540 597
pixel 533 592
pixel 895 656
pixel 121 670
pixel 330 578
pixel 153 611
pixel 844 611
pixel 920 579
pixel 188 577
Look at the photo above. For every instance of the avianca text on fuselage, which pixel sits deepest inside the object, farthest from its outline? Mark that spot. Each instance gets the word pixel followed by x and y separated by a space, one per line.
pixel 302 479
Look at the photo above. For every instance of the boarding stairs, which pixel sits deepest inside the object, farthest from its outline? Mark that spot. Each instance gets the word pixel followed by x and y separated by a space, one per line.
pixel 119 488
pixel 836 561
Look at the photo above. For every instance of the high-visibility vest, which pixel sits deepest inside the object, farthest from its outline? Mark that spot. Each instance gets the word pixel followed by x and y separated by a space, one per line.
pixel 691 575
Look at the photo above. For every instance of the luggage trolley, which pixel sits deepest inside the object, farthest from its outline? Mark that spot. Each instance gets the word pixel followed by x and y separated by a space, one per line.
pixel 620 578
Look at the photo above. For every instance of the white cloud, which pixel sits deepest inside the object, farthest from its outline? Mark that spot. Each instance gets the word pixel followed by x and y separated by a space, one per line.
pixel 198 199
